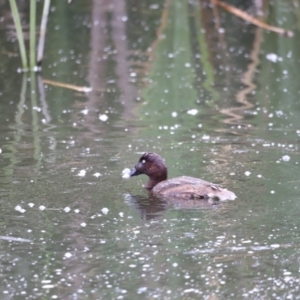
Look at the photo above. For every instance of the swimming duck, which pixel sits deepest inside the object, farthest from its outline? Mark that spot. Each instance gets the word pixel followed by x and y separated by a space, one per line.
pixel 184 187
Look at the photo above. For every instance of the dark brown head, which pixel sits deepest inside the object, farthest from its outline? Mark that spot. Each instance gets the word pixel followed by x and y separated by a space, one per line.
pixel 152 165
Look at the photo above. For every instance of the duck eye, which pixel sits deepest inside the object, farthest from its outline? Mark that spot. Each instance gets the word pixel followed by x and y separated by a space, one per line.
pixel 143 161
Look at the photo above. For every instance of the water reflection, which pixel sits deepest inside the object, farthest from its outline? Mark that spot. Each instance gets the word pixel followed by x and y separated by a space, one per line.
pixel 152 207
pixel 148 207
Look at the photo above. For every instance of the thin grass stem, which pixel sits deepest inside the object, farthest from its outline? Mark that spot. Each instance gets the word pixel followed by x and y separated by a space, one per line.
pixel 16 17
pixel 32 34
pixel 43 30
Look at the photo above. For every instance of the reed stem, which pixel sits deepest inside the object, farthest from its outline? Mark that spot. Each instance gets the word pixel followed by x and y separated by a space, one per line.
pixel 16 17
pixel 32 34
pixel 43 30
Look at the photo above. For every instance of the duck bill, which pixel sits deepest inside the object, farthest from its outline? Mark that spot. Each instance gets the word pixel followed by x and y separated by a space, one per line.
pixel 134 172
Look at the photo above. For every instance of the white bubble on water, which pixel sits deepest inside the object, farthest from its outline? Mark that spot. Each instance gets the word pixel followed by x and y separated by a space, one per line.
pixel 20 209
pixel 272 57
pixel 192 112
pixel 103 118
pixel 286 158
pixel 81 173
pixel 105 210
pixel 126 173
pixel 85 111
pixel 68 255
pixel 48 286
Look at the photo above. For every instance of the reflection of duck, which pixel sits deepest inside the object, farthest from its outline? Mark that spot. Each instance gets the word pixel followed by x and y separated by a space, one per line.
pixel 153 208
pixel 148 207
pixel 184 187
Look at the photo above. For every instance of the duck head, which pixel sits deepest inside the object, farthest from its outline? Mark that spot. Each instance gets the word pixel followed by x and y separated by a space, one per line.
pixel 152 165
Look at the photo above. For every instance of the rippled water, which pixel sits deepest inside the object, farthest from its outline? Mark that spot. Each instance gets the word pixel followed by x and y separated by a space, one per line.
pixel 72 228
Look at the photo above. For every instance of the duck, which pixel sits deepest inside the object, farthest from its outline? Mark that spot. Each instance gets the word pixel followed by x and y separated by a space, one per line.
pixel 183 187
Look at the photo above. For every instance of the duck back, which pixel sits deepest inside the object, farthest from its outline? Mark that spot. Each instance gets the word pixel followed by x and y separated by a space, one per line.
pixel 186 187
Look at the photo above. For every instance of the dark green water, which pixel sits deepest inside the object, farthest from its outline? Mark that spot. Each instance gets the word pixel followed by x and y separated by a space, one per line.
pixel 220 104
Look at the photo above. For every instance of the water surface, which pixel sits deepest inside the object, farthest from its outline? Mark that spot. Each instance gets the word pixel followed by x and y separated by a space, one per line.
pixel 216 103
